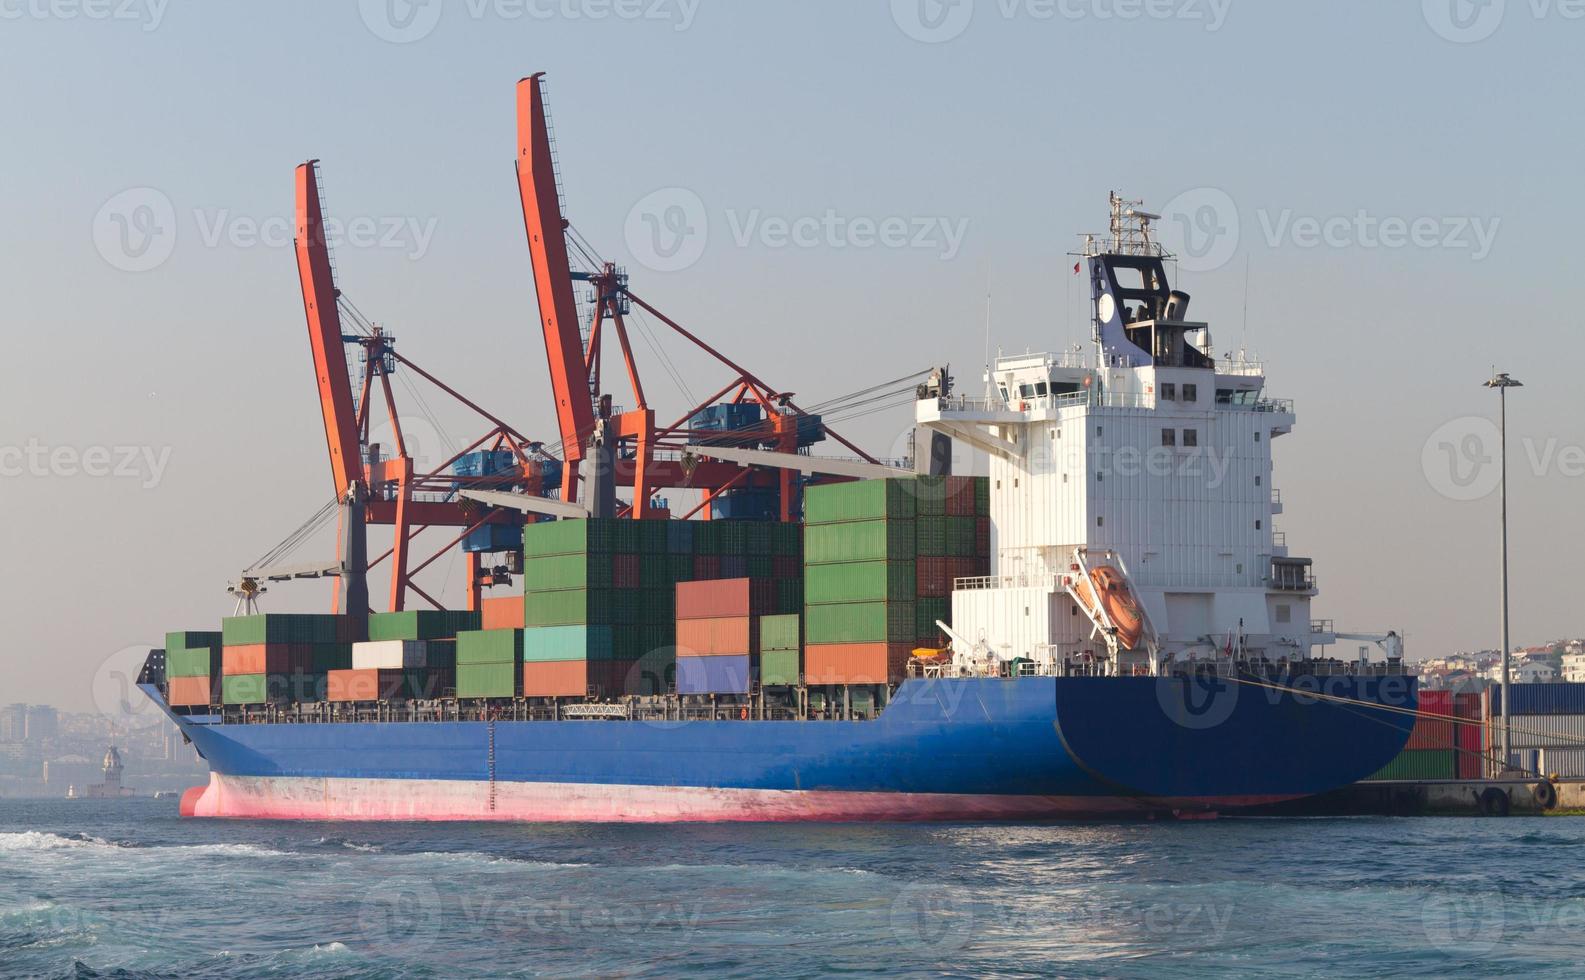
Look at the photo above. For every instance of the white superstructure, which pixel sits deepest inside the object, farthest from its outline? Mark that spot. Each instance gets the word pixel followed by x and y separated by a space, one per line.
pixel 1149 455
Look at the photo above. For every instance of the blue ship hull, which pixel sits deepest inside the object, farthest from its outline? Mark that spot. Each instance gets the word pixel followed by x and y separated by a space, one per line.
pixel 970 748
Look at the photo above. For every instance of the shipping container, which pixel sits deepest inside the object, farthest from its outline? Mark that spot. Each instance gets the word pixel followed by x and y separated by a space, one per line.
pixel 933 578
pixel 734 636
pixel 388 685
pixel 284 628
pixel 575 607
pixel 185 692
pixel 488 680
pixel 193 640
pixel 721 598
pixel 962 495
pixel 501 613
pixel 570 537
pixel 390 655
pixel 195 662
pixel 626 573
pixel 1564 763
pixel 267 658
pixel 960 537
pixel 1541 699
pixel 1421 764
pixel 550 644
pixel 554 573
pixel 930 537
pixel 331 656
pixel 422 624
pixel 250 689
pixel 859 541
pixel 861 622
pixel 864 581
pixel 489 647
pixel 930 496
pixel 855 663
pixel 734 566
pixel 1430 733
pixel 713 675
pixel 1436 702
pixel 1544 731
pixel 861 500
pixel 552 679
pixel 781 633
pixel 927 613
pixel 787 540
pixel 780 668
pixel 1470 765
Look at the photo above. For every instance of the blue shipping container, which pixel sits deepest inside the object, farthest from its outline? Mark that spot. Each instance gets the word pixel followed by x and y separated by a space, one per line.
pixel 1541 699
pixel 493 537
pixel 486 463
pixel 713 675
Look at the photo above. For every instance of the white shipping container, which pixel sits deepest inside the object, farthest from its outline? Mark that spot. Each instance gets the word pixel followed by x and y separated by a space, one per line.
pixel 390 654
pixel 1567 763
pixel 1543 731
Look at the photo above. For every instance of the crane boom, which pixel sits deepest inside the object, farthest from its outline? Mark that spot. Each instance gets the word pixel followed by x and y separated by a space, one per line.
pixel 558 309
pixel 324 333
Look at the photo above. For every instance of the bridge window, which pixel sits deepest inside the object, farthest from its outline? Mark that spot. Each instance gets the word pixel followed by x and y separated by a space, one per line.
pixel 1191 393
pixel 1191 437
pixel 1169 392
pixel 1169 437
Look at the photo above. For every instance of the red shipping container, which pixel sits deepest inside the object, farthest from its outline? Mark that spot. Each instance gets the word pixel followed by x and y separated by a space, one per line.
pixel 1466 705
pixel 960 496
pixel 190 691
pixel 786 566
pixel 933 577
pixel 626 572
pixel 1471 743
pixel 505 613
pixel 1436 703
pixel 267 658
pixel 707 566
pixel 1431 733
pixel 720 598
pixel 727 636
pixel 556 679
pixel 855 663
pixel 1471 766
pixel 387 685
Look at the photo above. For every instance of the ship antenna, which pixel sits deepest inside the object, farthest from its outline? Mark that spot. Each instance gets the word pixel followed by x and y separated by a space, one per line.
pixel 988 384
pixel 1243 340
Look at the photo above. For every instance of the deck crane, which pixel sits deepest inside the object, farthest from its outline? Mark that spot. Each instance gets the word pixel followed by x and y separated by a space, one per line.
pixel 644 455
pixel 400 495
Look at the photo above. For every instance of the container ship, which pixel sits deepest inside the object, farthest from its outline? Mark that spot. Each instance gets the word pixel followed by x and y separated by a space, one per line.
pixel 1106 625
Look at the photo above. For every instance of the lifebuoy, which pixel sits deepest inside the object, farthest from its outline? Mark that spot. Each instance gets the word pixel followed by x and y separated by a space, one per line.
pixel 744 714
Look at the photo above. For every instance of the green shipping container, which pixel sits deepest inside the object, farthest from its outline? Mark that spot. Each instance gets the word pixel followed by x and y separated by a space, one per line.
pixel 238 631
pixel 931 495
pixel 790 595
pixel 489 647
pixel 930 537
pixel 192 640
pixel 865 581
pixel 557 572
pixel 1421 764
pixel 786 539
pixel 960 537
pixel 780 668
pixel 861 500
pixel 859 541
pixel 497 680
pixel 982 496
pixel 573 607
pixel 332 656
pixel 550 644
pixel 421 624
pixel 591 536
pixel 860 622
pixel 244 689
pixel 780 633
pixel 200 662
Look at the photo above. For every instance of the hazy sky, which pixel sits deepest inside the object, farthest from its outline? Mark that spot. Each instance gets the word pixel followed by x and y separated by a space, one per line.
pixel 1401 180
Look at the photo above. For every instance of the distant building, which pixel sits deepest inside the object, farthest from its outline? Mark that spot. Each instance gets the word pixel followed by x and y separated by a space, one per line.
pixel 1574 666
pixel 1526 672
pixel 111 788
pixel 13 723
pixel 42 722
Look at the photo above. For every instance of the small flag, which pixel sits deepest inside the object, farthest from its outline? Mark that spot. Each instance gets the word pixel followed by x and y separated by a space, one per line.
pixel 1076 267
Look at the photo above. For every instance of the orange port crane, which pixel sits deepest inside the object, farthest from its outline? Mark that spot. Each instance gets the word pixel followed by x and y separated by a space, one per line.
pixel 646 456
pixel 400 495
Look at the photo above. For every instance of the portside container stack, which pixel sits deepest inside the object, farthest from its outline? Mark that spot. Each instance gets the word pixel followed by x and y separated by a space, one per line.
pixel 781 650
pixel 1547 727
pixel 719 630
pixel 1445 742
pixel 192 668
pixel 952 542
pixel 273 658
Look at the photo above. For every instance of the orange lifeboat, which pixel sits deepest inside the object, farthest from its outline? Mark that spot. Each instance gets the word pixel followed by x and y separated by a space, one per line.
pixel 1107 589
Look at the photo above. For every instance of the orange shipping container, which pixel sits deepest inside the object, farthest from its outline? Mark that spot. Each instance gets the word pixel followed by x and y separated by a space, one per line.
pixel 855 663
pixel 1431 733
pixel 266 658
pixel 715 637
pixel 189 691
pixel 501 614
pixel 556 679
pixel 722 598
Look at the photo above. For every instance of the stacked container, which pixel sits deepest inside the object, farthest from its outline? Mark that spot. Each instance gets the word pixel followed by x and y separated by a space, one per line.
pixel 192 668
pixel 503 613
pixel 1445 742
pixel 276 657
pixel 953 542
pixel 1547 727
pixel 781 650
pixel 860 577
pixel 718 633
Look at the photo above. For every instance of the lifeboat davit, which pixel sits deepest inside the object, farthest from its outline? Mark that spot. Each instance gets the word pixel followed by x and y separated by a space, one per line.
pixel 1108 589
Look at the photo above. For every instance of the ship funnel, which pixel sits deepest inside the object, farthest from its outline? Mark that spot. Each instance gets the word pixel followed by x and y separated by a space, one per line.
pixel 1178 305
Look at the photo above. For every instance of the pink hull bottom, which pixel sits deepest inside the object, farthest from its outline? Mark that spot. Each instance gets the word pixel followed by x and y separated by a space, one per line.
pixel 307 798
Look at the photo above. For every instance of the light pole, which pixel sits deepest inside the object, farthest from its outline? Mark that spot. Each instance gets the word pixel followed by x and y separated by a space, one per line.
pixel 1502 383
